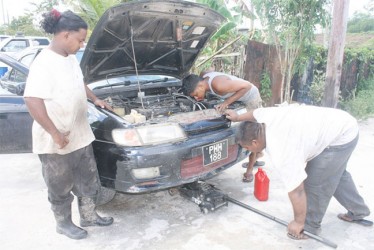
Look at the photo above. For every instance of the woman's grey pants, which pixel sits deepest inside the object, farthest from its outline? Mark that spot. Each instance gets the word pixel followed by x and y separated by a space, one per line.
pixel 74 172
pixel 327 177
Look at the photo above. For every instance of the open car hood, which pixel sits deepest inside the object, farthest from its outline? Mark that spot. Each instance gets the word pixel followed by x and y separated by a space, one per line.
pixel 165 36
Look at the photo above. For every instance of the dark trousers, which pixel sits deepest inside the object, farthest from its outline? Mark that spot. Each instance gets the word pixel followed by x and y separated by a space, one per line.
pixel 327 177
pixel 75 172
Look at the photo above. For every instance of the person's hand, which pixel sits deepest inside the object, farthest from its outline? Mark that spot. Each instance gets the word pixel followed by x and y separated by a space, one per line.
pixel 61 139
pixel 221 107
pixel 103 104
pixel 295 229
pixel 231 115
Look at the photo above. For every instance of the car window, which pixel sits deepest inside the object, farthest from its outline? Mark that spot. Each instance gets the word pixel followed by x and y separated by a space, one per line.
pixel 15 45
pixel 27 59
pixel 16 76
pixel 41 41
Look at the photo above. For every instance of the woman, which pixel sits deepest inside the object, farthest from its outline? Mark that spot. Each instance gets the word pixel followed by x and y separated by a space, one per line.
pixel 56 97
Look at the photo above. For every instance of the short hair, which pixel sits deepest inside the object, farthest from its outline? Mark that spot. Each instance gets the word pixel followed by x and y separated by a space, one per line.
pixel 54 22
pixel 190 83
pixel 247 132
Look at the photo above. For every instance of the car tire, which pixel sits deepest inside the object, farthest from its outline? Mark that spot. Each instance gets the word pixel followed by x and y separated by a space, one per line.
pixel 104 196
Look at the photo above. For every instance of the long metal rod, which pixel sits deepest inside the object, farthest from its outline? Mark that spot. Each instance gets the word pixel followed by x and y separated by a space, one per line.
pixel 311 235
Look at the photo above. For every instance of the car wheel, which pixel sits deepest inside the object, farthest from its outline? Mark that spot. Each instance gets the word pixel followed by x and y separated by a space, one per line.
pixel 104 196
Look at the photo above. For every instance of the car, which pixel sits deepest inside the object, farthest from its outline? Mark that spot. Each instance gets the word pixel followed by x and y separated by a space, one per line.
pixel 2 37
pixel 13 80
pixel 157 138
pixel 13 45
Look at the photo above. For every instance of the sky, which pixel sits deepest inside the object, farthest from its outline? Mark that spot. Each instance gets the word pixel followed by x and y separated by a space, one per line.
pixel 14 8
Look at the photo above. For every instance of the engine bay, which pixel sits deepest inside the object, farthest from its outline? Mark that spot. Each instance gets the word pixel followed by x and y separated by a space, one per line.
pixel 164 104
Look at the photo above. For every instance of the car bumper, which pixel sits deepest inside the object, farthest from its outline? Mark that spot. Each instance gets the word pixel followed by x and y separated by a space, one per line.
pixel 173 164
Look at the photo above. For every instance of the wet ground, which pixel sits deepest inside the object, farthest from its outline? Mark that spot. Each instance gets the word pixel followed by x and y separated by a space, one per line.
pixel 161 221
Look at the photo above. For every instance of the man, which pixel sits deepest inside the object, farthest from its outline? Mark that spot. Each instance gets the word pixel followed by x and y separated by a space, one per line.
pixel 309 147
pixel 56 97
pixel 231 89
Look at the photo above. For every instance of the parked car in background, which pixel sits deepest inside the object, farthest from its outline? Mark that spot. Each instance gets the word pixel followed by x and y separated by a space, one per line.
pixel 2 37
pixel 157 138
pixel 12 45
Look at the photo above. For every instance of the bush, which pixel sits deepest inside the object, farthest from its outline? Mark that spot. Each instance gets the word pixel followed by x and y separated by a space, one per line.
pixel 361 106
pixel 317 88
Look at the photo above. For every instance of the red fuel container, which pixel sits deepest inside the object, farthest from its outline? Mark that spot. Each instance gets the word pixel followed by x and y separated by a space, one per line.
pixel 261 185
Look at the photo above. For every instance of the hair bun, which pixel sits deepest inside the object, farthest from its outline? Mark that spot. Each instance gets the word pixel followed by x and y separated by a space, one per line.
pixel 56 14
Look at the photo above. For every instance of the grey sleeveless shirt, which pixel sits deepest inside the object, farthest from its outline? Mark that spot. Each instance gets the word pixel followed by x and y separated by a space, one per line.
pixel 252 94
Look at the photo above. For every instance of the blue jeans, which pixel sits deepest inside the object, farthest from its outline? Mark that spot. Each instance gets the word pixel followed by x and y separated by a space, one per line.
pixel 327 177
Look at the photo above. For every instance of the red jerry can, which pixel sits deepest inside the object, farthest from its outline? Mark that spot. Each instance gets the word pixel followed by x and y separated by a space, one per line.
pixel 261 185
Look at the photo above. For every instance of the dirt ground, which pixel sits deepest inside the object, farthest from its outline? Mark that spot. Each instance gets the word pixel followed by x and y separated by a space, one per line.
pixel 161 221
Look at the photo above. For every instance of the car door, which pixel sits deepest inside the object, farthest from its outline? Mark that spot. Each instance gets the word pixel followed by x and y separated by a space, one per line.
pixel 15 125
pixel 15 120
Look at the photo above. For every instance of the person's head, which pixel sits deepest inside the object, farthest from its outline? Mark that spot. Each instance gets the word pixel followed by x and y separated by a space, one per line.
pixel 194 86
pixel 251 136
pixel 69 30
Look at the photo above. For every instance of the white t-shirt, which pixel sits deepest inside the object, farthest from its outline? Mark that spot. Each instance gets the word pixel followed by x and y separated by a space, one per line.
pixel 58 80
pixel 297 134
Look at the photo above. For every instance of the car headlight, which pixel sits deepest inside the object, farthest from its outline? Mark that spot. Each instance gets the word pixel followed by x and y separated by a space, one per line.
pixel 149 135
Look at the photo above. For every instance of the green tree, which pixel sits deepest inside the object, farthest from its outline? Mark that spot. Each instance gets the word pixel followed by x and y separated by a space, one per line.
pixel 361 22
pixel 28 23
pixel 92 10
pixel 227 38
pixel 290 25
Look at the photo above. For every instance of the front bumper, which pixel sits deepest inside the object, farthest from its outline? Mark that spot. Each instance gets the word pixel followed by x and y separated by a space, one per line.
pixel 178 163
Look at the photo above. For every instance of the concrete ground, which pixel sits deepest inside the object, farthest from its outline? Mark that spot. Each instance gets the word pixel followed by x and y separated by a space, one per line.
pixel 161 221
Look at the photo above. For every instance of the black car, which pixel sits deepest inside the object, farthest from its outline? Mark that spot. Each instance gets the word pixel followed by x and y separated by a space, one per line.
pixel 157 138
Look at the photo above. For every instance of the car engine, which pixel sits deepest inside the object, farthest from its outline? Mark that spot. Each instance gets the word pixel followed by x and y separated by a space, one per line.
pixel 164 104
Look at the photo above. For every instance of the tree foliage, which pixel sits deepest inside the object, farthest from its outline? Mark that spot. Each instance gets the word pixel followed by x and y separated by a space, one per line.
pixel 361 22
pixel 290 26
pixel 92 10
pixel 28 23
pixel 227 36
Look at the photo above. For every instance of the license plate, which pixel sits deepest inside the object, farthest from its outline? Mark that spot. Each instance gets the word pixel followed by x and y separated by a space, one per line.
pixel 215 152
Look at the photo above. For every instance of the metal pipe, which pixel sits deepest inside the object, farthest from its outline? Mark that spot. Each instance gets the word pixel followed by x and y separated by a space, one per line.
pixel 309 234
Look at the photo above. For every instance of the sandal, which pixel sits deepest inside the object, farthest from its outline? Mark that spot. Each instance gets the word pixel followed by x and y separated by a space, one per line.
pixel 247 178
pixel 257 164
pixel 362 222
pixel 302 237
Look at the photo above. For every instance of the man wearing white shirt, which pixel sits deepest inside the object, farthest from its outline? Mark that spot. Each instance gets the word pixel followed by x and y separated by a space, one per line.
pixel 309 147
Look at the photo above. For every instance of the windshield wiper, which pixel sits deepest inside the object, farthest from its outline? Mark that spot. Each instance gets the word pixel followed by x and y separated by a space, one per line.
pixel 165 79
pixel 128 83
pixel 125 83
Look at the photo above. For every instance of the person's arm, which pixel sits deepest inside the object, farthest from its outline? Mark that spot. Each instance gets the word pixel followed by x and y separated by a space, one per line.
pixel 96 100
pixel 299 205
pixel 39 113
pixel 223 85
pixel 233 116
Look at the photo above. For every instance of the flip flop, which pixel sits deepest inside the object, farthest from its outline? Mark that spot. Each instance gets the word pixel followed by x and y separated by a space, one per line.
pixel 303 237
pixel 257 164
pixel 247 179
pixel 362 222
